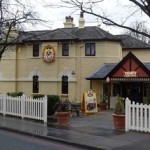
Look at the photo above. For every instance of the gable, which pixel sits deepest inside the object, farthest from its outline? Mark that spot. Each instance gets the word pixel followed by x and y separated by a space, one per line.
pixel 130 67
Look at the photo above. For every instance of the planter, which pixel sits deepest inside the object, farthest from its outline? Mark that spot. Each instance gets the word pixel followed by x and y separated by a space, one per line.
pixel 62 118
pixel 119 121
pixel 103 106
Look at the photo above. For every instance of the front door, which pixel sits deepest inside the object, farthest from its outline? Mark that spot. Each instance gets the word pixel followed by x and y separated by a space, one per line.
pixel 133 90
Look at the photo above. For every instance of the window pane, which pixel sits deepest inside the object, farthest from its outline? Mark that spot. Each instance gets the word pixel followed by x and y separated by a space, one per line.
pixel 64 85
pixel 90 49
pixel 35 84
pixel 65 49
pixel 147 89
pixel 116 89
pixel 87 49
pixel 35 50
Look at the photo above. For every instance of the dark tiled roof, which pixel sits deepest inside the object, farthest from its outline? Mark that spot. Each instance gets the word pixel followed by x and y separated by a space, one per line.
pixel 102 71
pixel 147 64
pixel 106 68
pixel 129 42
pixel 86 33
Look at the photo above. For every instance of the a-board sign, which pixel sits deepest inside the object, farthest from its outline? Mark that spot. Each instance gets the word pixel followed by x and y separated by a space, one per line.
pixel 89 103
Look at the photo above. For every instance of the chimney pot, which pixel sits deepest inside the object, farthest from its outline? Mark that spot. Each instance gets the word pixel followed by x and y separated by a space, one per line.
pixel 81 14
pixel 69 22
pixel 81 20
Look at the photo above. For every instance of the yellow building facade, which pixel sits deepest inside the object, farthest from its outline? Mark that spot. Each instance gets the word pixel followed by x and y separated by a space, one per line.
pixel 57 62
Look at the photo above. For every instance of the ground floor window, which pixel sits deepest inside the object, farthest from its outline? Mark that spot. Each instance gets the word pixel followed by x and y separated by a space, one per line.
pixel 35 84
pixel 64 85
pixel 135 91
pixel 106 91
pixel 116 89
pixel 146 88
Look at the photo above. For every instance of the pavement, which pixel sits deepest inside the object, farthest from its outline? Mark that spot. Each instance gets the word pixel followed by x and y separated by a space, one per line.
pixel 93 132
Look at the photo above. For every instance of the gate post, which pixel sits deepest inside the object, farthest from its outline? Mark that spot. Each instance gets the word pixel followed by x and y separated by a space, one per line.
pixel 45 109
pixel 127 103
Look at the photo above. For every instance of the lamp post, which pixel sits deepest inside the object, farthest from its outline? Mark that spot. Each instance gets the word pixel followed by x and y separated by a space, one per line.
pixel 109 91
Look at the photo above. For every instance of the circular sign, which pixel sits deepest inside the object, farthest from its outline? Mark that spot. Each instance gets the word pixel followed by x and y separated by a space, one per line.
pixel 48 53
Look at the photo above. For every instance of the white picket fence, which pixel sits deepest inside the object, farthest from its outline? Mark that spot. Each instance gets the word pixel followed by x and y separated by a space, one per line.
pixel 24 107
pixel 137 116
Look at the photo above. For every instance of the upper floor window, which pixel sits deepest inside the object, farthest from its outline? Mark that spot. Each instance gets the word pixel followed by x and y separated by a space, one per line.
pixel 64 84
pixel 65 49
pixel 35 84
pixel 89 49
pixel 35 50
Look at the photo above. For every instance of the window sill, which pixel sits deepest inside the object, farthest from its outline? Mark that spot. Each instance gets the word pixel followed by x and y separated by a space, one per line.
pixel 36 94
pixel 64 94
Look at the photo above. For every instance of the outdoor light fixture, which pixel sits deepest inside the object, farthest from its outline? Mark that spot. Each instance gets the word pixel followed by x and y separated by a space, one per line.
pixel 107 79
pixel 73 72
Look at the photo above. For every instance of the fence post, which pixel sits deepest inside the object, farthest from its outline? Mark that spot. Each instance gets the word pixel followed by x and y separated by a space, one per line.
pixel 127 101
pixel 22 106
pixel 45 109
pixel 4 103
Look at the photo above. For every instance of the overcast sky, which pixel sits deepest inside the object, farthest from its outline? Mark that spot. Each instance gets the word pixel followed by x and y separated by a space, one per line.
pixel 56 16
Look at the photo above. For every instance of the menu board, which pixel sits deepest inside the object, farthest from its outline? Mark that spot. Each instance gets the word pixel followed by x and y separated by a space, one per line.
pixel 89 103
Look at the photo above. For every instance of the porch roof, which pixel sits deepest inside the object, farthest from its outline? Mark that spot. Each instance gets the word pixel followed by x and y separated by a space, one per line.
pixel 102 72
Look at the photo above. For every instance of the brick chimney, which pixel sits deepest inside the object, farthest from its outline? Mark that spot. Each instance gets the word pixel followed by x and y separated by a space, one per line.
pixel 81 20
pixel 69 22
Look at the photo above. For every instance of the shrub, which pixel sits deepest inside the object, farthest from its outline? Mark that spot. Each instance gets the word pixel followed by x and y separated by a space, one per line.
pixel 14 94
pixel 38 96
pixel 119 107
pixel 52 100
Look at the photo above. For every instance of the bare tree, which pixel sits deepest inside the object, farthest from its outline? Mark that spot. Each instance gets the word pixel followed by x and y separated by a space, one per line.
pixel 136 8
pixel 14 14
pixel 139 26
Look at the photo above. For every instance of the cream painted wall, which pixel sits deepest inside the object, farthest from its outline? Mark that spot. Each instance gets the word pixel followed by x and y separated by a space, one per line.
pixel 22 66
pixel 87 64
pixel 8 70
pixel 7 86
pixel 142 54
pixel 98 88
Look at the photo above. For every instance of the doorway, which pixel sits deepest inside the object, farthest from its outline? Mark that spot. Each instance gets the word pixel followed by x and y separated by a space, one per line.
pixel 133 90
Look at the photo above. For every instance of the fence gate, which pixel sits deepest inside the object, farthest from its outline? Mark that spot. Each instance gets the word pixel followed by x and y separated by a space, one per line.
pixel 137 116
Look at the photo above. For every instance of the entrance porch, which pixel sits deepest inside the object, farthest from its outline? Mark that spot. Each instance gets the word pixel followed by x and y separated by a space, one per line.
pixel 128 78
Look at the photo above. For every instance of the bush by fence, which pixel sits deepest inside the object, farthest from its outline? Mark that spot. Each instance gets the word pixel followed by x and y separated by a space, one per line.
pixel 14 94
pixel 51 101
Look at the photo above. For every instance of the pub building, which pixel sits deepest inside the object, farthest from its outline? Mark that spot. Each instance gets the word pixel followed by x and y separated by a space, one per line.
pixel 71 60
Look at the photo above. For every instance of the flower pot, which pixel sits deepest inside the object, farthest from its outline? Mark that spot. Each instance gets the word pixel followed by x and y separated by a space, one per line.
pixel 62 118
pixel 103 106
pixel 119 121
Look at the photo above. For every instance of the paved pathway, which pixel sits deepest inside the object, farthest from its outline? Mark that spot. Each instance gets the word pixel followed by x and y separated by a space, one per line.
pixel 87 131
